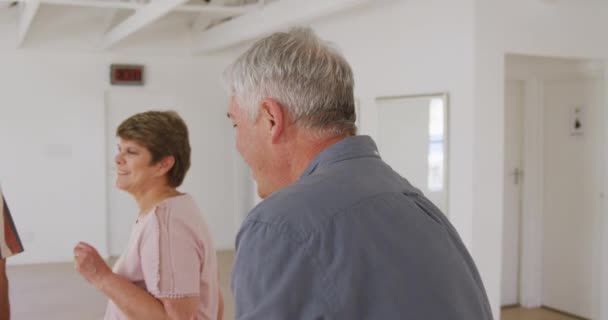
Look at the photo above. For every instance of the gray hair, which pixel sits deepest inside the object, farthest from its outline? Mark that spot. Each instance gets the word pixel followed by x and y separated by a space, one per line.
pixel 303 73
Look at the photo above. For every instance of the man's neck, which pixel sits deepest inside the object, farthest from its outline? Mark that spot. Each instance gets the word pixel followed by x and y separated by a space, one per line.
pixel 308 149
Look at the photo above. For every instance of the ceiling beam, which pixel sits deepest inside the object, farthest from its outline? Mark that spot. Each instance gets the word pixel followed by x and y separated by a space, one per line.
pixel 269 18
pixel 28 12
pixel 213 10
pixel 204 21
pixel 110 20
pixel 140 19
pixel 201 23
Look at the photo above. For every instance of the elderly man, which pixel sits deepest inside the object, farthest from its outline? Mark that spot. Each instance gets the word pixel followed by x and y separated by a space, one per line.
pixel 339 234
pixel 9 245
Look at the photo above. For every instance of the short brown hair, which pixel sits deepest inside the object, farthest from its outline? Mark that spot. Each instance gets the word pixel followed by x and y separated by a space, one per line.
pixel 163 133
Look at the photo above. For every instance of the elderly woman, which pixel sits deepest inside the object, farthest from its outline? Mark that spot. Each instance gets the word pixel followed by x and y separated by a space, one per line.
pixel 169 269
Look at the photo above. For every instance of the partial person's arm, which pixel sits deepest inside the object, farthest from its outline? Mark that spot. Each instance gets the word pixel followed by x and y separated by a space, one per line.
pixel 5 310
pixel 135 302
pixel 275 277
pixel 11 245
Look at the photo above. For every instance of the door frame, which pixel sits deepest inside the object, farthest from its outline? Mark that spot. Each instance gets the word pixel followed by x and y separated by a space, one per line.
pixel 602 308
pixel 532 200
pixel 106 182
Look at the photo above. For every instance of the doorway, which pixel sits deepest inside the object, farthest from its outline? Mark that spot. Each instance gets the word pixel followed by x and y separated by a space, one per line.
pixel 554 169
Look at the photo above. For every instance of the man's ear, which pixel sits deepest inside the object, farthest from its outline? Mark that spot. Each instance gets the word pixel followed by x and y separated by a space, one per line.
pixel 273 117
pixel 165 164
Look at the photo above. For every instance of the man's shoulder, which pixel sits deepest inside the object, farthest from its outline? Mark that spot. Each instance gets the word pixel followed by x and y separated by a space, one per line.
pixel 305 206
pixel 287 211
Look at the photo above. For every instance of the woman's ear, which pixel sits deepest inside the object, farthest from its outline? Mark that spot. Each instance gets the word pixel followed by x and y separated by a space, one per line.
pixel 273 118
pixel 165 165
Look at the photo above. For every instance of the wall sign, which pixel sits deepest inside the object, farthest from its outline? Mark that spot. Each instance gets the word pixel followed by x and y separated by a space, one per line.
pixel 577 121
pixel 127 74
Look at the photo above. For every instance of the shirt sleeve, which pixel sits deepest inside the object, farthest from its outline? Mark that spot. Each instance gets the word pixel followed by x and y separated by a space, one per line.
pixel 171 257
pixel 274 278
pixel 10 244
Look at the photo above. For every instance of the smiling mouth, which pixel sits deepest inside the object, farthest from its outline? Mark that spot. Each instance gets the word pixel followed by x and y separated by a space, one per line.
pixel 122 173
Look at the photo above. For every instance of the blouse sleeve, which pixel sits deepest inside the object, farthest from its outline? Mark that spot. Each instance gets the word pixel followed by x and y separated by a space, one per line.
pixel 171 257
pixel 10 244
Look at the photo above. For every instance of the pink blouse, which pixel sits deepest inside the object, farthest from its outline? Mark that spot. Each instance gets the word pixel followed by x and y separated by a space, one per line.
pixel 171 255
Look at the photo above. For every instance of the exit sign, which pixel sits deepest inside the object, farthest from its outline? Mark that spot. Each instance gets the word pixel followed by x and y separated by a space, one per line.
pixel 127 74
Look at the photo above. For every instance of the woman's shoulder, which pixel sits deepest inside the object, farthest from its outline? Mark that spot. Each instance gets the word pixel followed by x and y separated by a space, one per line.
pixel 179 218
pixel 181 202
pixel 179 208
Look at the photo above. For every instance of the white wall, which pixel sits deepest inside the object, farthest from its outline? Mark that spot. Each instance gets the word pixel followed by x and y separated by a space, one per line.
pixel 52 137
pixel 556 28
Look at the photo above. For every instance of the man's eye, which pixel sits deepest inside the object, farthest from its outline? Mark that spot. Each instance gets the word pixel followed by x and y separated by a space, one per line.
pixel 234 125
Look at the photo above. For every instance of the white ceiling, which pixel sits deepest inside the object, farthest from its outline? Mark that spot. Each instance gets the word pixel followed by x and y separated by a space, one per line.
pixel 188 26
pixel 105 24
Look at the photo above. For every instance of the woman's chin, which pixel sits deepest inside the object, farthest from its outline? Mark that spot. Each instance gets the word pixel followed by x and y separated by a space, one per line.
pixel 122 186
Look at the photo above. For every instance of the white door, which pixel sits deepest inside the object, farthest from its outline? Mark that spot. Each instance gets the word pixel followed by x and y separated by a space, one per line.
pixel 514 101
pixel 572 187
pixel 122 209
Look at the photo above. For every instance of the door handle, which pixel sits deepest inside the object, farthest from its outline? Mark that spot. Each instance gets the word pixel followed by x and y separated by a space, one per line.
pixel 517 174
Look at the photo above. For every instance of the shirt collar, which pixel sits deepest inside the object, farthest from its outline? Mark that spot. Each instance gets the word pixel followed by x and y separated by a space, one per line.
pixel 347 148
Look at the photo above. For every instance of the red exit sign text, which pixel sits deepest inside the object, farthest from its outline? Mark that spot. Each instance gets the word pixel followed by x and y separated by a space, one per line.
pixel 121 74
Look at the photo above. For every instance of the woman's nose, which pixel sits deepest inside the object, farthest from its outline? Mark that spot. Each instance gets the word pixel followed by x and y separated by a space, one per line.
pixel 119 159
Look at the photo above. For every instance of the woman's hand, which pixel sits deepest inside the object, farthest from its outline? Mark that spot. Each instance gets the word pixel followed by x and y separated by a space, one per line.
pixel 89 263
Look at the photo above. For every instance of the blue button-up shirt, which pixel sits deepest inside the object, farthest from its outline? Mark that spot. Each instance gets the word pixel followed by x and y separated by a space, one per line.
pixel 351 239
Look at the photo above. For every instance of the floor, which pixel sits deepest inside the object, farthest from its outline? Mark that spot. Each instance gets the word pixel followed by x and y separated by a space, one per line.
pixel 52 291
pixel 57 292
pixel 533 314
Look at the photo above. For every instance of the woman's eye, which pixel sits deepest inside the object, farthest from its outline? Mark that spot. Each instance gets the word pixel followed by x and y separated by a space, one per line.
pixel 234 125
